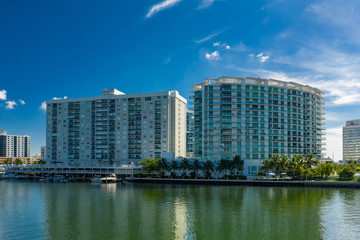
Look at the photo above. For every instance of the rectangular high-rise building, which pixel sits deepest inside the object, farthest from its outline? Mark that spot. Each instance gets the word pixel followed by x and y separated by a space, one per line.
pixel 14 145
pixel 351 140
pixel 189 134
pixel 255 119
pixel 116 127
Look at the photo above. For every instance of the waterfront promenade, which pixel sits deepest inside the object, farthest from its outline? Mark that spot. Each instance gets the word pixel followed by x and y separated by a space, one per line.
pixel 71 172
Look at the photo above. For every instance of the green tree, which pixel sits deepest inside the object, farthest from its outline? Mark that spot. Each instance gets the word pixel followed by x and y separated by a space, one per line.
pixel 196 166
pixel 283 163
pixel 173 167
pixel 184 166
pixel 310 160
pixel 163 166
pixel 275 163
pixel 266 166
pixel 208 168
pixel 296 166
pixel 150 165
pixel 326 169
pixel 18 161
pixel 237 164
pixel 223 165
pixel 346 173
pixel 8 161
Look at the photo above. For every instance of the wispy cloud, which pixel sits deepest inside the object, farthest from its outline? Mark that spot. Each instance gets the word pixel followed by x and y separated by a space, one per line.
pixel 10 104
pixel 210 36
pixel 22 102
pixel 262 58
pixel 3 95
pixel 205 3
pixel 43 106
pixel 161 6
pixel 213 56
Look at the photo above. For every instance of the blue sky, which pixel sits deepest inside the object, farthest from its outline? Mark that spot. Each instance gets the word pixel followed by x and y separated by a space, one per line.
pixel 77 48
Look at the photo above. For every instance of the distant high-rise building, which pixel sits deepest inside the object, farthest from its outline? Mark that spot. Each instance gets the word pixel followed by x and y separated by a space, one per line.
pixel 255 119
pixel 351 140
pixel 116 127
pixel 14 145
pixel 189 133
pixel 43 153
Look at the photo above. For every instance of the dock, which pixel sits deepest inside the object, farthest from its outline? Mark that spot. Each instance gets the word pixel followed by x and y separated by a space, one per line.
pixel 73 173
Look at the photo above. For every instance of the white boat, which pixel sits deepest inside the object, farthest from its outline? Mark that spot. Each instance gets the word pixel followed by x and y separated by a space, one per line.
pixel 109 179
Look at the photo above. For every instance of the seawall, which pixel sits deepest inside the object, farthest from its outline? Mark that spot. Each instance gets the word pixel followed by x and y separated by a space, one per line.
pixel 248 182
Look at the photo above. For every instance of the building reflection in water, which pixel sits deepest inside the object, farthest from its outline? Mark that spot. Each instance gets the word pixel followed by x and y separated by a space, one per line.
pixel 141 211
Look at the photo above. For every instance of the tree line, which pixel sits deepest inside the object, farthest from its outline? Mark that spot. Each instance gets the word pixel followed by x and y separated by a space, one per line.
pixel 192 166
pixel 306 166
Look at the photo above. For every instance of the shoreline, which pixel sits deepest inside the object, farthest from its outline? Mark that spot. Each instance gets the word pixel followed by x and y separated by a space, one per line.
pixel 259 183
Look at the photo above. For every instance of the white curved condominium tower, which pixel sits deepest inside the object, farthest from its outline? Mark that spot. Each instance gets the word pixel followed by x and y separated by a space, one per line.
pixel 256 118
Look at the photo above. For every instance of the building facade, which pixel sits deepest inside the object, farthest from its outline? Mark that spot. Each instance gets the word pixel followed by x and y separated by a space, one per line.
pixel 43 153
pixel 189 134
pixel 14 145
pixel 116 127
pixel 255 119
pixel 351 140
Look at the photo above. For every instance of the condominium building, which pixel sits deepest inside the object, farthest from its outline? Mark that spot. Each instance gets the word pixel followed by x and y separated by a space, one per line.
pixel 43 152
pixel 116 127
pixel 351 140
pixel 189 134
pixel 14 145
pixel 256 118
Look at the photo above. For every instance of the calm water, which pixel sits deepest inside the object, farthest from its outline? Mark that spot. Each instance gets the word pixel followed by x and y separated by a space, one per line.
pixel 141 211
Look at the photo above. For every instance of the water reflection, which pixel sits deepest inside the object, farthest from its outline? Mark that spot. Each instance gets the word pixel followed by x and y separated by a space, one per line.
pixel 143 211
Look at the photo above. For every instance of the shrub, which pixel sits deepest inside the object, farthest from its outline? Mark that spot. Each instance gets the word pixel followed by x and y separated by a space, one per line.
pixel 346 173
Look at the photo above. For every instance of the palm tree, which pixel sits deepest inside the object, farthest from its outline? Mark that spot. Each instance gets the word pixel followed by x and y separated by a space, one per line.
pixel 174 166
pixel 310 160
pixel 266 165
pixel 163 166
pixel 208 168
pixel 185 165
pixel 275 163
pixel 222 166
pixel 237 163
pixel 283 163
pixel 196 166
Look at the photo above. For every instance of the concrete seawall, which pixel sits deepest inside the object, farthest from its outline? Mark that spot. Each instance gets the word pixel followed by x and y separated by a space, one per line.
pixel 249 183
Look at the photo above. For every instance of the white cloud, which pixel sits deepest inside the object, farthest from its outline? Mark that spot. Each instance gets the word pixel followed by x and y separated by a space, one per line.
pixel 43 106
pixel 261 57
pixel 224 45
pixel 205 3
pixel 210 36
pixel 56 98
pixel 10 104
pixel 3 95
pixel 251 55
pixel 22 102
pixel 213 56
pixel 161 6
